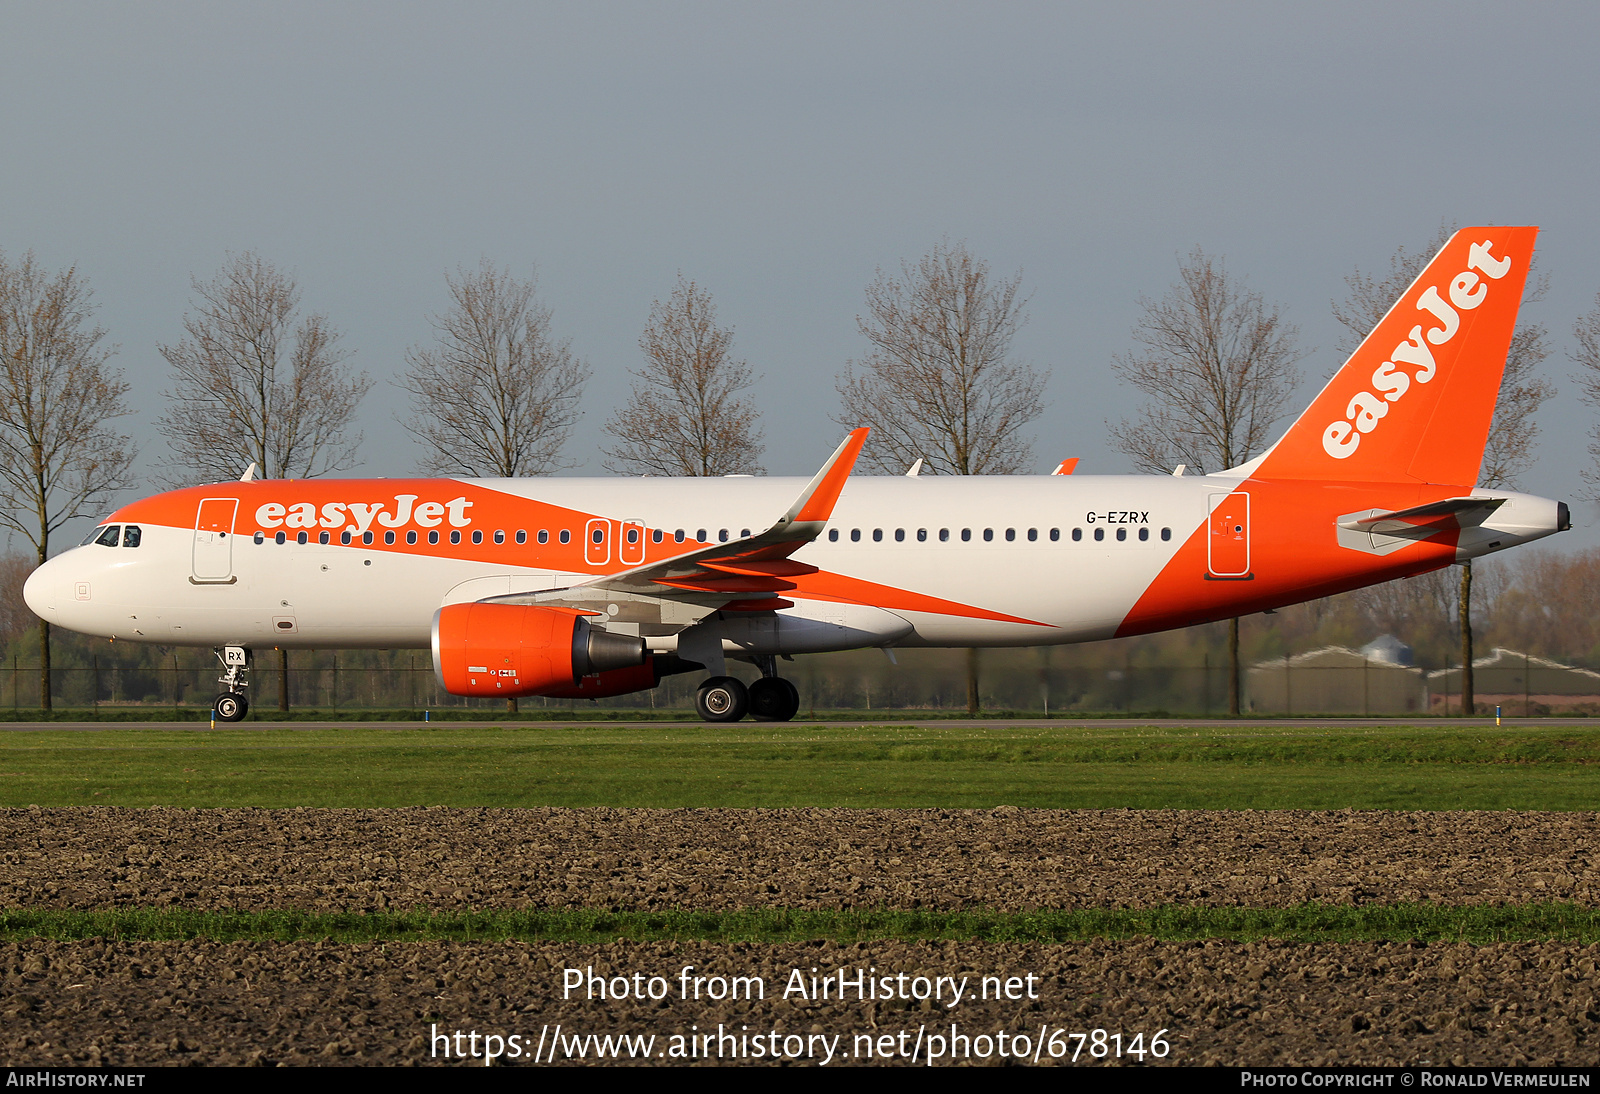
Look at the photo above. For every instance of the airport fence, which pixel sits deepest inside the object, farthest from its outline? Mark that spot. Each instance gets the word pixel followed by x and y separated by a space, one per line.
pixel 935 680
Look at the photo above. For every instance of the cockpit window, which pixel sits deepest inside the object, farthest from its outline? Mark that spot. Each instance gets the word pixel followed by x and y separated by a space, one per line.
pixel 110 536
pixel 131 535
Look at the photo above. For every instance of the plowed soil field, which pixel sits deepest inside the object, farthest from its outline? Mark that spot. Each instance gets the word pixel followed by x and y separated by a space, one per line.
pixel 149 1002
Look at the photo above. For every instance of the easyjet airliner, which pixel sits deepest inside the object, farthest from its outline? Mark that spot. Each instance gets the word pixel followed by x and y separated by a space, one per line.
pixel 597 587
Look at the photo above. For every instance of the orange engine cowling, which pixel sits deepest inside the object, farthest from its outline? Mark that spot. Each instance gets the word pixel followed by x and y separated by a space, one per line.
pixel 508 650
pixel 615 682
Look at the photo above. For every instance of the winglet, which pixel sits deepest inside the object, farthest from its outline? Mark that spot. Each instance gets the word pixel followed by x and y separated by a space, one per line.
pixel 817 501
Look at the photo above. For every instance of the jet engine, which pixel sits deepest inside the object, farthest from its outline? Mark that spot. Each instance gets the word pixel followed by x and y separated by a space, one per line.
pixel 510 650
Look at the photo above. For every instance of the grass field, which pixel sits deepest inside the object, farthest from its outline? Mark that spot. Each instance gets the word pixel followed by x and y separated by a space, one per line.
pixel 930 765
pixel 1303 923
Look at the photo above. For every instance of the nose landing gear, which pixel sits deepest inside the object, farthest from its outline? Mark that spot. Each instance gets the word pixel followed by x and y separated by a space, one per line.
pixel 232 705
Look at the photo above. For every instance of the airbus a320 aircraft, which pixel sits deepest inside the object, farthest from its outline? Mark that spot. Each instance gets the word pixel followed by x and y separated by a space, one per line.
pixel 595 587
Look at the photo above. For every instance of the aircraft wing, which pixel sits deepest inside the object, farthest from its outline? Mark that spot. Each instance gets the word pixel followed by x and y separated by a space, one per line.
pixel 748 572
pixel 1422 521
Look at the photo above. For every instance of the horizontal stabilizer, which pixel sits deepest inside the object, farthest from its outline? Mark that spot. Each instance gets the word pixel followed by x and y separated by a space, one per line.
pixel 1422 521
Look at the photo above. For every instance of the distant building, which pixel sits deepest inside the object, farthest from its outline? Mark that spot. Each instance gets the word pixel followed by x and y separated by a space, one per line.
pixel 1519 683
pixel 1376 679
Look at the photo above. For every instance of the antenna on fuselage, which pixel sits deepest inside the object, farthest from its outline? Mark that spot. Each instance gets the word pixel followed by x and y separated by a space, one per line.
pixel 249 473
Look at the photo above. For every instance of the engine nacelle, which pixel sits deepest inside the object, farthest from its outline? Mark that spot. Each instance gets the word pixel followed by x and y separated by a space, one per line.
pixel 615 682
pixel 510 650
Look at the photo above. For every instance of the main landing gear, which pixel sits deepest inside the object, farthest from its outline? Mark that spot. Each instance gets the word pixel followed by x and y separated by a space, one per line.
pixel 769 699
pixel 231 705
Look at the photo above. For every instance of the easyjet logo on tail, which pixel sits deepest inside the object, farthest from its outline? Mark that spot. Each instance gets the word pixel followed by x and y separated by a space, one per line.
pixel 1412 360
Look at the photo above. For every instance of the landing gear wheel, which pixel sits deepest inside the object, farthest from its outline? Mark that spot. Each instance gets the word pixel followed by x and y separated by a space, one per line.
pixel 722 699
pixel 773 699
pixel 230 707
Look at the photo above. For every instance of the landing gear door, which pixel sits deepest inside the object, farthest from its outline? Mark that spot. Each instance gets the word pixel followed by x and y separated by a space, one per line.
pixel 1228 544
pixel 213 541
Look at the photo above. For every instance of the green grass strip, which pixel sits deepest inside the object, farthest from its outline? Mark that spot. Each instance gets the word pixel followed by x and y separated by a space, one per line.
pixel 1302 923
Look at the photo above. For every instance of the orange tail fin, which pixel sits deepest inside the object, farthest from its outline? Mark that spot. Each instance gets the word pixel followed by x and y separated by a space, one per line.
pixel 1414 402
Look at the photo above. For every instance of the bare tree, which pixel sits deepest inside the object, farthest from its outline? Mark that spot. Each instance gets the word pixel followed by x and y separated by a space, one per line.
pixel 252 384
pixel 1216 364
pixel 59 457
pixel 940 384
pixel 1514 430
pixel 1217 367
pixel 688 412
pixel 1587 332
pixel 496 394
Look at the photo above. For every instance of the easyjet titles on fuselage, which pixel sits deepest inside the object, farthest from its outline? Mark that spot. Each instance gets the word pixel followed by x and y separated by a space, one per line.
pixel 335 515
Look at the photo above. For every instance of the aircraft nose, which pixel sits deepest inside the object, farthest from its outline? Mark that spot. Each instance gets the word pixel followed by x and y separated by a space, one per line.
pixel 41 593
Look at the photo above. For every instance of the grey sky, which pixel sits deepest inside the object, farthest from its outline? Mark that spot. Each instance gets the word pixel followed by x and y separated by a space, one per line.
pixel 778 155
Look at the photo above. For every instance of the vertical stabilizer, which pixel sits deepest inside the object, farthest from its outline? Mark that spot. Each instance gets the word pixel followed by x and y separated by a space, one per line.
pixel 1415 400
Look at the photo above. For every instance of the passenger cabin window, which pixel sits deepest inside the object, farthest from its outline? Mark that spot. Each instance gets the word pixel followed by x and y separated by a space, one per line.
pixel 722 536
pixel 1077 534
pixel 522 535
pixel 877 535
pixel 988 535
pixel 344 538
pixel 1166 534
pixel 1099 534
pixel 966 534
pixel 1122 534
pixel 833 535
pixel 1055 534
pixel 899 535
pixel 544 536
pixel 499 535
pixel 477 537
pixel 1033 534
pixel 855 535
pixel 700 534
pixel 433 537
pixel 366 538
pixel 1144 534
pixel 302 537
pixel 1011 535
pixel 111 536
pixel 281 537
pixel 944 535
pixel 922 535
pixel 261 537
pixel 388 537
pixel 411 537
pixel 324 537
pixel 455 537
pixel 131 535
